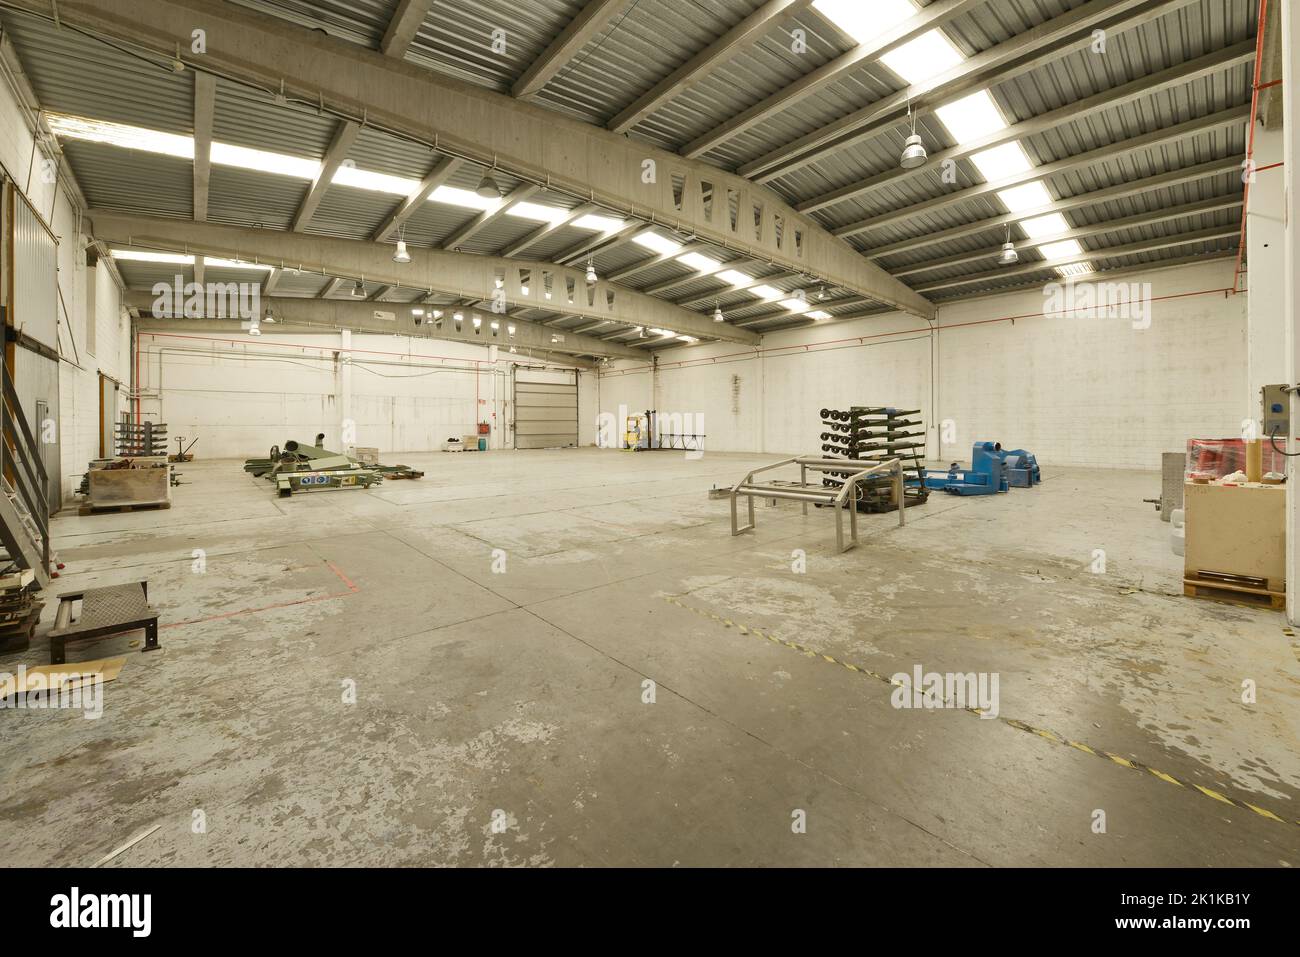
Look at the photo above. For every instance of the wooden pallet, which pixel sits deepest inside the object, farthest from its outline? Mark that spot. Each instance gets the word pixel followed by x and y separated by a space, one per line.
pixel 1235 591
pixel 108 509
pixel 16 635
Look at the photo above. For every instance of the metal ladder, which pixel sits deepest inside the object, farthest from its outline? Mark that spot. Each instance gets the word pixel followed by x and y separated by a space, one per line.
pixel 24 512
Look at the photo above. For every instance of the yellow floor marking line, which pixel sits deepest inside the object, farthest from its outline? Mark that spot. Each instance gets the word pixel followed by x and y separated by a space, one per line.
pixel 1012 722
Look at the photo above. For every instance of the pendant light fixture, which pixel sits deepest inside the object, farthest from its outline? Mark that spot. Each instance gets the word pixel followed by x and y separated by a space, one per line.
pixel 1009 256
pixel 487 186
pixel 914 154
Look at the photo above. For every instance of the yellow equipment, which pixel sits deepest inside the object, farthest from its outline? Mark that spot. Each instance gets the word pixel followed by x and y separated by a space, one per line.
pixel 632 433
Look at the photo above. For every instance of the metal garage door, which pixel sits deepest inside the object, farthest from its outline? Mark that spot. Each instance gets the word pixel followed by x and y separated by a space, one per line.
pixel 546 408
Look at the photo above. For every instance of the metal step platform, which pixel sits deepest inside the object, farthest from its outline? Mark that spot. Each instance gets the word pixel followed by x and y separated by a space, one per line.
pixel 105 612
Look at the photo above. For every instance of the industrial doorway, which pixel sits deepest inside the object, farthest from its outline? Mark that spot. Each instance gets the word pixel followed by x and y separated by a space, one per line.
pixel 546 408
pixel 107 415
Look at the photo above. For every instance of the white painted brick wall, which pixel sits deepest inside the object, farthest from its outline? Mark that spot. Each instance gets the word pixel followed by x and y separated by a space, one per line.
pixel 1092 392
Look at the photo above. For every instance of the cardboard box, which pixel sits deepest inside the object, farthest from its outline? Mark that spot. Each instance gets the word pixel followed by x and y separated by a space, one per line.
pixel 1236 530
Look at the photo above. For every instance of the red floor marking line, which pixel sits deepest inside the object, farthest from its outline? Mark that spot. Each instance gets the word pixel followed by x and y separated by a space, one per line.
pixel 352 590
pixel 347 581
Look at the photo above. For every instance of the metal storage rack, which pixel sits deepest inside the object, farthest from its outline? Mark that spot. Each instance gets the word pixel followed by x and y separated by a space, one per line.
pixel 138 439
pixel 874 435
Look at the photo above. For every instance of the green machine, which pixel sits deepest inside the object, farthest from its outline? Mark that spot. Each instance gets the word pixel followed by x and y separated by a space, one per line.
pixel 314 468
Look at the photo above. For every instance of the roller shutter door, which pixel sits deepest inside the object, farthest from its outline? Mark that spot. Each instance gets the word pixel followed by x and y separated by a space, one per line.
pixel 546 409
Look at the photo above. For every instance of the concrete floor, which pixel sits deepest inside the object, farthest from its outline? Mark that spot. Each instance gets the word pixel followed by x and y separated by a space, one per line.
pixel 519 694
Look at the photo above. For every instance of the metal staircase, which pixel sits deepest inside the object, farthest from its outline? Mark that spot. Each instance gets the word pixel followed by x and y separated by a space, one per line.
pixel 24 512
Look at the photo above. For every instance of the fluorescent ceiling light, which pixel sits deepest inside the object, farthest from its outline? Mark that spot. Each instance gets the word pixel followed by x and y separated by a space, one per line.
pixel 454 196
pixel 735 277
pixel 1030 196
pixel 377 182
pixel 767 292
pixel 1002 161
pixel 819 314
pixel 597 223
pixel 137 255
pixel 233 264
pixel 179 259
pixel 865 21
pixel 971 117
pixel 1074 269
pixel 699 262
pixel 120 134
pixel 795 305
pixel 1040 227
pixel 538 212
pixel 1061 250
pixel 657 243
pixel 262 161
pixel 928 55
pixel 241 157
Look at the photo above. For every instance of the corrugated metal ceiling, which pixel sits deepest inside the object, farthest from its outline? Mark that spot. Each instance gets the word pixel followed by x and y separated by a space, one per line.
pixel 638 47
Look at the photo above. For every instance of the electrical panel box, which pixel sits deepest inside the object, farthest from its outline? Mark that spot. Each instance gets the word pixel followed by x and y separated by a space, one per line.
pixel 1275 411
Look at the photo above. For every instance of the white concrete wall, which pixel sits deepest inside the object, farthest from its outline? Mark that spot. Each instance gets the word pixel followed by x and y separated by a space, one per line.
pixel 240 395
pixel 1077 390
pixel 625 387
pixel 1074 390
pixel 1265 277
pixel 79 367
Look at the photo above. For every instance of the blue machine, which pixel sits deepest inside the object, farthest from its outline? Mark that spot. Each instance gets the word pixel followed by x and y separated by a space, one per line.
pixel 1022 467
pixel 993 469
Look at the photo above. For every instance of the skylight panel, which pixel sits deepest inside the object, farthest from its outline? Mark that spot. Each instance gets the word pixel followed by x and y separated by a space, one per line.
pixel 928 55
pixel 735 277
pixel 263 161
pixel 1030 196
pixel 377 182
pixel 795 305
pixel 144 256
pixel 1040 227
pixel 538 212
pixel 1002 161
pixel 454 196
pixel 1074 270
pixel 120 134
pixel 819 314
pixel 972 117
pixel 598 223
pixel 1061 250
pixel 862 20
pixel 699 262
pixel 767 292
pixel 657 243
